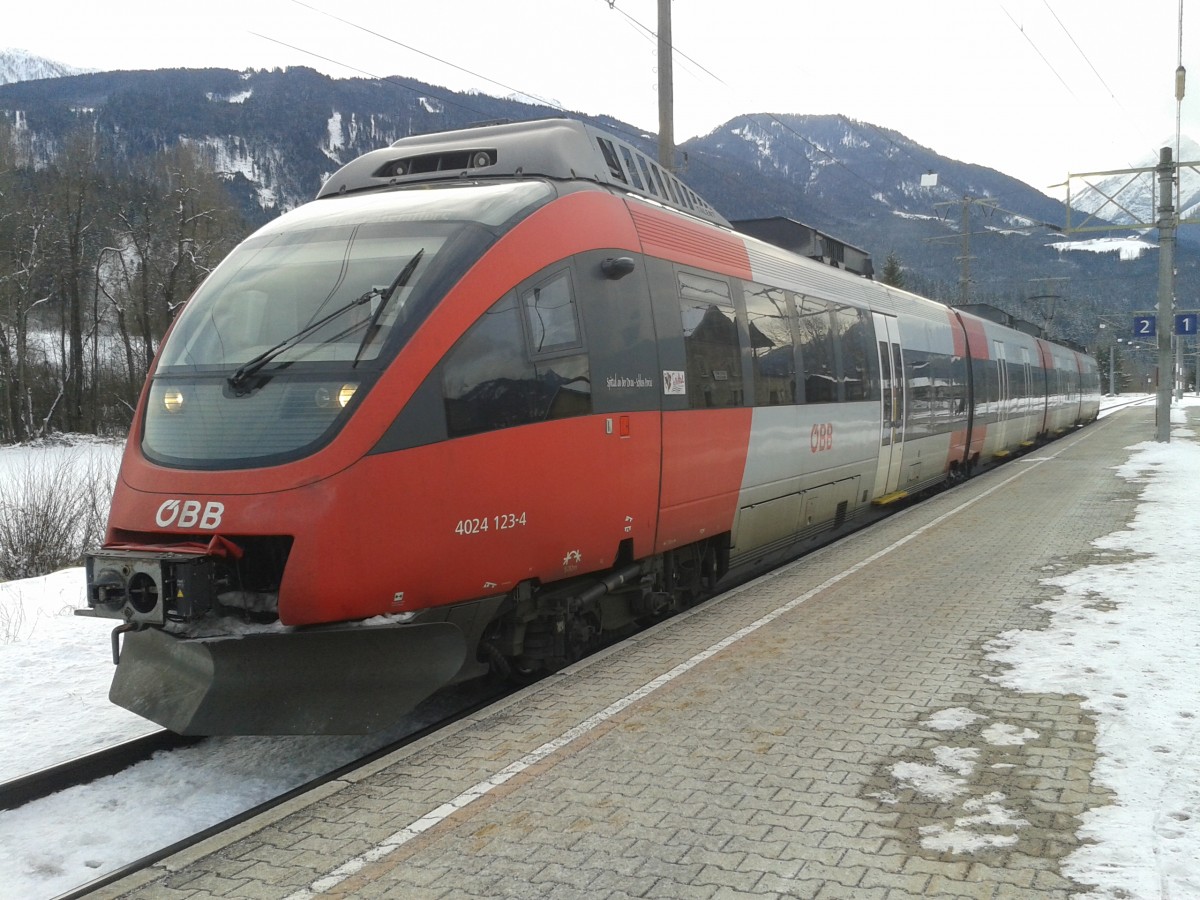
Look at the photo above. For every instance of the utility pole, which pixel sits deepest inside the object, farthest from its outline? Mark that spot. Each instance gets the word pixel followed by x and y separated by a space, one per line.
pixel 1180 88
pixel 988 207
pixel 1166 221
pixel 1166 290
pixel 964 284
pixel 666 88
pixel 964 278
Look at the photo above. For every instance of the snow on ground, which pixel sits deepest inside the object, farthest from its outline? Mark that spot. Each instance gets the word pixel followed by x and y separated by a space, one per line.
pixel 1128 248
pixel 1123 635
pixel 59 666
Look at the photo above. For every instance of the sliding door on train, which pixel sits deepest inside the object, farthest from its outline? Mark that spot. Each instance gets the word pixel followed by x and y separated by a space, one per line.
pixel 893 405
pixel 1003 409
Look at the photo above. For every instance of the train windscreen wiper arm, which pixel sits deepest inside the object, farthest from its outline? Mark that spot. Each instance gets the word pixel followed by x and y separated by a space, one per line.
pixel 251 366
pixel 400 281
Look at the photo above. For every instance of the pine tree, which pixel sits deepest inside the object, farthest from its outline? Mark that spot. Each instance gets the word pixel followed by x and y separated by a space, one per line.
pixel 893 271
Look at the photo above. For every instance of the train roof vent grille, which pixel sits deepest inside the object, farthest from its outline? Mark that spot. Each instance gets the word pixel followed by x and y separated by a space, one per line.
pixel 553 148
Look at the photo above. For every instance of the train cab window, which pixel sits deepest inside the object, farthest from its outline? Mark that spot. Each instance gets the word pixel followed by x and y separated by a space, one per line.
pixel 815 335
pixel 710 337
pixel 551 315
pixel 771 347
pixel 483 377
pixel 493 378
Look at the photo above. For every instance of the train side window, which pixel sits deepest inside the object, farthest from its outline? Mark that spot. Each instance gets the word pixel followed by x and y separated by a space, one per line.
pixel 551 315
pixel 815 334
pixel 710 337
pixel 921 377
pixel 956 389
pixel 860 365
pixel 771 347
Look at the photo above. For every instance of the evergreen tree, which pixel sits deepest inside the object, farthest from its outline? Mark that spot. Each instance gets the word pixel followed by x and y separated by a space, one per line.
pixel 893 271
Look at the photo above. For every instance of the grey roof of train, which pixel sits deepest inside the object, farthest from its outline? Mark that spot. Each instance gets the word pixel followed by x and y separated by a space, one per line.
pixel 564 149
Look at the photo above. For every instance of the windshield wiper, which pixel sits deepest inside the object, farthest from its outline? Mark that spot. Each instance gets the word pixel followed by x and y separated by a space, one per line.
pixel 251 366
pixel 400 281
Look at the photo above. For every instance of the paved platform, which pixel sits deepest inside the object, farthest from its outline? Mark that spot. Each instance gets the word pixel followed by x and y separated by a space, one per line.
pixel 808 735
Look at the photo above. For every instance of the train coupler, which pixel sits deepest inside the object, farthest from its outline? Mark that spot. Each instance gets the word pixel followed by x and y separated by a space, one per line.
pixel 116 640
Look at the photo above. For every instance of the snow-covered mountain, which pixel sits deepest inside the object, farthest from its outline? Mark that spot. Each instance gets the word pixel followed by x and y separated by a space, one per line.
pixel 20 65
pixel 274 136
pixel 1128 199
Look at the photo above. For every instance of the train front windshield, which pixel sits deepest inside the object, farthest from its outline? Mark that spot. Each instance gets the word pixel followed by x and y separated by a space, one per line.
pixel 271 352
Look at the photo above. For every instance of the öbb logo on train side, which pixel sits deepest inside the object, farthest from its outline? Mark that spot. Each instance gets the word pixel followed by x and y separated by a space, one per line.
pixel 821 437
pixel 190 514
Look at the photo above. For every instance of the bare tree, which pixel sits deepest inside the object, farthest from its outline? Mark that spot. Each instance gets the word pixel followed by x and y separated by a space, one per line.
pixel 73 196
pixel 23 289
pixel 176 224
pixel 93 264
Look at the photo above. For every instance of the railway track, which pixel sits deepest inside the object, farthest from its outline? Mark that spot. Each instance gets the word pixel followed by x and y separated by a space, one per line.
pixel 83 769
pixel 1112 405
pixel 30 788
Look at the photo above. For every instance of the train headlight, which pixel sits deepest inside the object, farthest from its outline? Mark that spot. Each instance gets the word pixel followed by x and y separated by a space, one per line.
pixel 172 400
pixel 326 398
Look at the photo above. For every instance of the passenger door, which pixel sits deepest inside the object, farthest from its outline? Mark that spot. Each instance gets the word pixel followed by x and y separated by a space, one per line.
pixel 893 405
pixel 1003 395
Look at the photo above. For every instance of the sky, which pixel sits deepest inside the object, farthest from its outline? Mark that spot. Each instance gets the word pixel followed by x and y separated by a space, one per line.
pixel 1037 89
pixel 1121 636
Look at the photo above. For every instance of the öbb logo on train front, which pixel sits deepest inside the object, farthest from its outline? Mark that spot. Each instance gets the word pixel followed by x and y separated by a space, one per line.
pixel 190 514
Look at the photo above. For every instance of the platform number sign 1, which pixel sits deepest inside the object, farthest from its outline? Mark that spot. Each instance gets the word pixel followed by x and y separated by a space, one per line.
pixel 1185 324
pixel 1143 326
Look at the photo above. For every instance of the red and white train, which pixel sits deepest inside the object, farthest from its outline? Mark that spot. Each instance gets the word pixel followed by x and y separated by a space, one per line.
pixel 500 394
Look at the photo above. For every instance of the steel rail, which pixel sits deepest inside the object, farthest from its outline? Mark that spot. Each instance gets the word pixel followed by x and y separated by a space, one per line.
pixel 89 767
pixel 150 859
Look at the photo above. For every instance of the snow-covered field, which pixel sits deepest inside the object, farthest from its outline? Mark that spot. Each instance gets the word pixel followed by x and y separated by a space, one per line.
pixel 1134 659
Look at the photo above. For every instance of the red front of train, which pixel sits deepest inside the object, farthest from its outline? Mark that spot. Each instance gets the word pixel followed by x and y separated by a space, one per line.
pixel 369 531
pixel 324 440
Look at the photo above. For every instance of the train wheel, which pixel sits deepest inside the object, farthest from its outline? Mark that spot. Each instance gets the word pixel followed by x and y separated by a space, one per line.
pixel 537 649
pixel 683 574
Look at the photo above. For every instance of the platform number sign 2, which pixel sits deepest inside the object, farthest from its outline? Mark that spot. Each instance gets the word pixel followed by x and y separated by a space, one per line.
pixel 1185 324
pixel 1143 326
